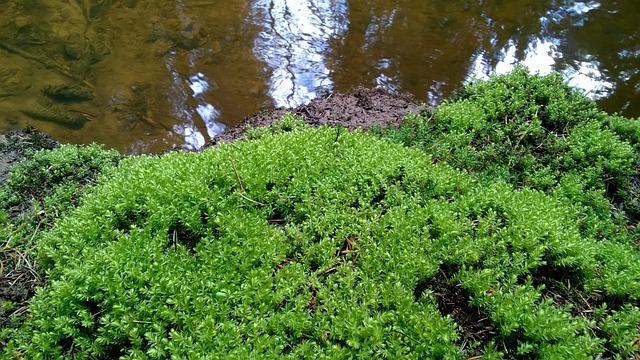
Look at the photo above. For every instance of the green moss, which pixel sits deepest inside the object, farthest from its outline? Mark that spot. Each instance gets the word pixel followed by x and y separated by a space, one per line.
pixel 289 122
pixel 314 246
pixel 535 131
pixel 41 173
pixel 39 190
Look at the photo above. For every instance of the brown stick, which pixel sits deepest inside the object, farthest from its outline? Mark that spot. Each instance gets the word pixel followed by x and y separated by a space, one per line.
pixel 242 187
pixel 237 176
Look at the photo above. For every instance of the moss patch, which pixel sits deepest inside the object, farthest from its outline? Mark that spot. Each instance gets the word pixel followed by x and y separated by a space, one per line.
pixel 315 244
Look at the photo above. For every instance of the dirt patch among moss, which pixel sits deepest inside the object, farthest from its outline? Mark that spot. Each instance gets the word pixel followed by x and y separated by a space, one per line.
pixel 360 108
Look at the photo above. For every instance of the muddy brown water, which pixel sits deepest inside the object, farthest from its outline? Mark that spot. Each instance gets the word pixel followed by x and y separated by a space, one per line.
pixel 145 75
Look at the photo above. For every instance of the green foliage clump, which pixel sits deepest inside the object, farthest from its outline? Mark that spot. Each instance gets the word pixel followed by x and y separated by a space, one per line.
pixel 620 328
pixel 288 122
pixel 537 132
pixel 39 190
pixel 26 142
pixel 323 244
pixel 47 183
pixel 55 173
pixel 520 101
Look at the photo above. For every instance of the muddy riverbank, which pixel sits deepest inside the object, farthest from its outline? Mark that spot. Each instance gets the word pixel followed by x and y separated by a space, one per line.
pixel 360 108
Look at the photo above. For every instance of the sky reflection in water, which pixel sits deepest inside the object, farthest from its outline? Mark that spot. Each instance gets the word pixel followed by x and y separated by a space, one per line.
pixel 298 35
pixel 192 67
pixel 541 56
pixel 293 44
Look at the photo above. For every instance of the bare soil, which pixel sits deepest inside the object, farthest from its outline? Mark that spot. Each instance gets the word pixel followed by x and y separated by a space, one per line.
pixel 361 108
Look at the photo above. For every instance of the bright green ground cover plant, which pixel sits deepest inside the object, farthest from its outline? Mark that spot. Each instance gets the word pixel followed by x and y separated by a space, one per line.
pixel 39 190
pixel 537 132
pixel 325 244
pixel 55 177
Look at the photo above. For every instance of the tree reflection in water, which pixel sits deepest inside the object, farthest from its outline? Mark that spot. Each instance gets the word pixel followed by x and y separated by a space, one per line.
pixel 150 76
pixel 429 48
pixel 293 44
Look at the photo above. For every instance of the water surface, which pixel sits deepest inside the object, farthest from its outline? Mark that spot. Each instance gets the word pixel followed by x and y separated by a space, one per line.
pixel 175 72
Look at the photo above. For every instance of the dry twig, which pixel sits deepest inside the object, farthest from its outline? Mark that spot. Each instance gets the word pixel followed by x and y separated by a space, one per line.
pixel 237 176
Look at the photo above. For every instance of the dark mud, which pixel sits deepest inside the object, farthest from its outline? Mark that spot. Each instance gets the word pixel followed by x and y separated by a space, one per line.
pixel 361 108
pixel 19 279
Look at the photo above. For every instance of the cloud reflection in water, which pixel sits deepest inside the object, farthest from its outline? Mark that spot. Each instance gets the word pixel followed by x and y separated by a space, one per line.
pixel 293 43
pixel 540 57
